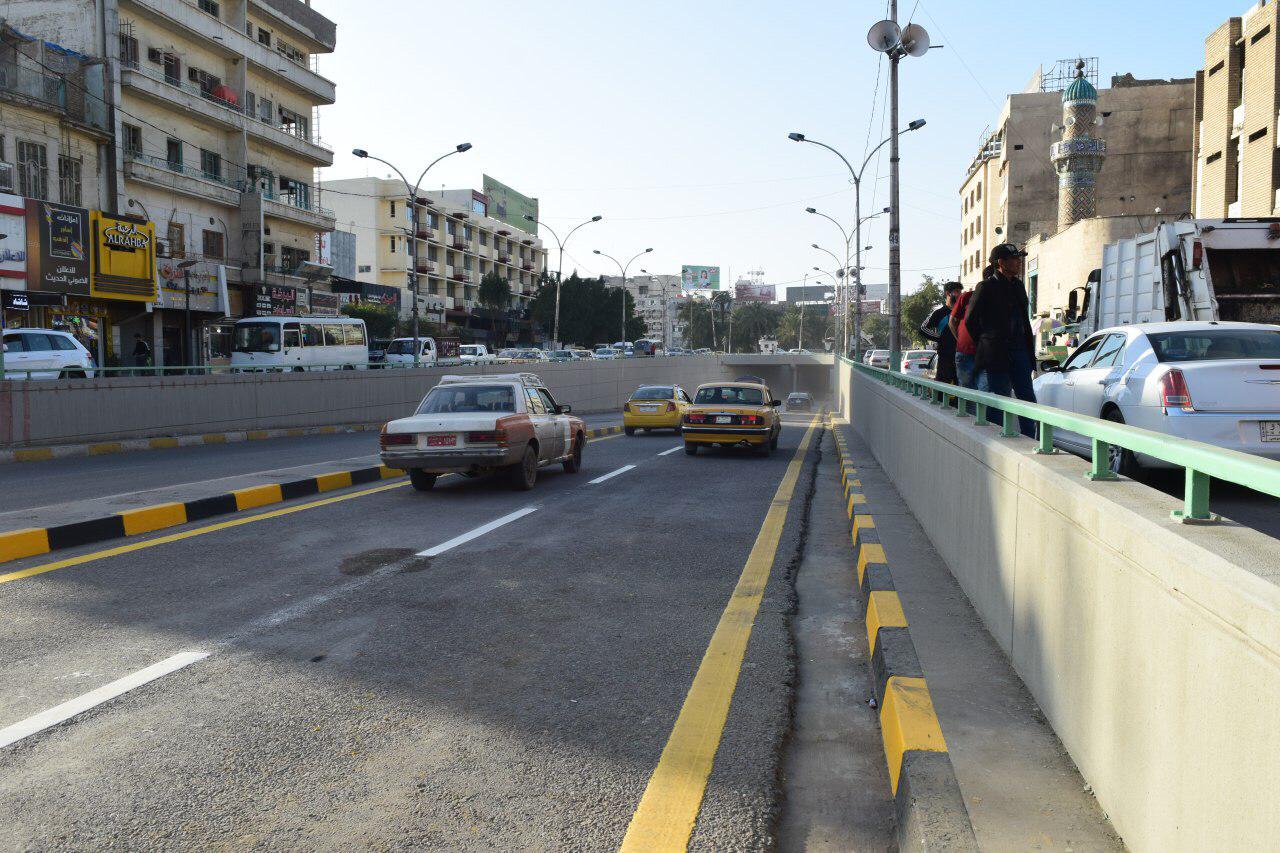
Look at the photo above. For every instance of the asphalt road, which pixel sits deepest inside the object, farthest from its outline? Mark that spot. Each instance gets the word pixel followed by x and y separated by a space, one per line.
pixel 514 692
pixel 35 484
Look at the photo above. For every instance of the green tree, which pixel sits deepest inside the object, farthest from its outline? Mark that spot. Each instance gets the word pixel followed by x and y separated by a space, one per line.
pixel 751 322
pixel 380 320
pixel 916 308
pixel 875 327
pixel 818 327
pixel 494 294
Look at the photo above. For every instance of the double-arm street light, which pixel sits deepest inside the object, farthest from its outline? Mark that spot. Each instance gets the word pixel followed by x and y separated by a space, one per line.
pixel 412 190
pixel 623 269
pixel 856 174
pixel 555 331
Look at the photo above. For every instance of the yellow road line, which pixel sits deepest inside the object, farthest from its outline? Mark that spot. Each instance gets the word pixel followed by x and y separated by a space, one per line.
pixel 188 534
pixel 665 818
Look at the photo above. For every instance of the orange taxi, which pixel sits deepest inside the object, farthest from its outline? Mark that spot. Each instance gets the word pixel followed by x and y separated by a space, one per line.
pixel 732 414
pixel 654 407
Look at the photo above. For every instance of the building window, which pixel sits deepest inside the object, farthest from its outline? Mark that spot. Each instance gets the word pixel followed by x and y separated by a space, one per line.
pixel 1213 158
pixel 211 164
pixel 264 110
pixel 292 258
pixel 484 238
pixel 214 247
pixel 1257 134
pixel 177 240
pixel 209 7
pixel 173 154
pixel 33 170
pixel 979 191
pixel 128 51
pixel 1215 69
pixel 393 210
pixel 393 245
pixel 1260 34
pixel 132 140
pixel 365 268
pixel 69 188
pixel 264 36
pixel 294 124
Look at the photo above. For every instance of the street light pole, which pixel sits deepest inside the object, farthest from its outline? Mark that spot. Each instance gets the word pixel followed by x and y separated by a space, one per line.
pixel 555 331
pixel 412 191
pixel 186 266
pixel 623 269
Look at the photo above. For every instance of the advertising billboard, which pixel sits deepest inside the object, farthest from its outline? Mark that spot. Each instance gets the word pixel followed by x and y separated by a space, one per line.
pixel 810 293
pixel 13 241
pixel 57 247
pixel 510 206
pixel 124 258
pixel 699 278
pixel 271 299
pixel 748 291
pixel 206 280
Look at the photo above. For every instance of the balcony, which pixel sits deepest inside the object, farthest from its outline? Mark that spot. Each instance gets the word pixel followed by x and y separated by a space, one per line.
pixel 298 209
pixel 231 42
pixel 52 93
pixel 460 244
pixel 426 234
pixel 528 266
pixel 428 267
pixel 458 274
pixel 181 178
pixel 504 259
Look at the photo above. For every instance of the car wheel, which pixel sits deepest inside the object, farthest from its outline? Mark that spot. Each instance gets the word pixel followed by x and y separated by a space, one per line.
pixel 1119 460
pixel 421 480
pixel 573 464
pixel 765 449
pixel 773 442
pixel 525 474
pixel 690 449
pixel 679 430
pixel 629 430
pixel 72 374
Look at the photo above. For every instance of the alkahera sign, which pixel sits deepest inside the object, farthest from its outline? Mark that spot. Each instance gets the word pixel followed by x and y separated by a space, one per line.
pixel 124 258
pixel 510 206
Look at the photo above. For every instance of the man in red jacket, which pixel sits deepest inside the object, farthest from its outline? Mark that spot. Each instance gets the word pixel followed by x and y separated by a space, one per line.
pixel 965 347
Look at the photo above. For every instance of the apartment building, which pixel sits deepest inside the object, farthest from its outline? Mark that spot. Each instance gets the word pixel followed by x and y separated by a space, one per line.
pixel 1010 189
pixel 657 302
pixel 216 142
pixel 1237 168
pixel 458 242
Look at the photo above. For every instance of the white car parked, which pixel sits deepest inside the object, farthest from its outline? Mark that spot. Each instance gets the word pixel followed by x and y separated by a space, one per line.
pixel 1214 382
pixel 45 354
pixel 916 362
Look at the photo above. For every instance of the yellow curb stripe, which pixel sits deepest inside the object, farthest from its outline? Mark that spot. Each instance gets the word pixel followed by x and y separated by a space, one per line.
pixel 152 518
pixel 665 817
pixel 884 610
pixel 33 454
pixel 16 544
pixel 257 496
pixel 162 443
pixel 257 434
pixel 214 438
pixel 869 553
pixel 105 448
pixel 388 473
pixel 907 722
pixel 336 480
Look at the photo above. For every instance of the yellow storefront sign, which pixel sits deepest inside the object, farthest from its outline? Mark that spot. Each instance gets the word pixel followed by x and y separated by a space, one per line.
pixel 124 258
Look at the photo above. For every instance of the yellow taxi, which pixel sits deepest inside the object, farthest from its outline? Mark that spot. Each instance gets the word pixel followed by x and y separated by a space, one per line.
pixel 654 407
pixel 732 414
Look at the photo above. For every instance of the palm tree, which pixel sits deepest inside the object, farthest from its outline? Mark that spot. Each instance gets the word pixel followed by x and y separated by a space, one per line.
pixel 722 301
pixel 494 294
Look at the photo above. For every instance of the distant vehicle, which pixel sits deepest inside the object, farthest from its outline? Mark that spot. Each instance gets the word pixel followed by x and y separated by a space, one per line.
pixel 45 354
pixel 378 351
pixel 1214 382
pixel 916 361
pixel 479 424
pixel 507 355
pixel 768 345
pixel 475 354
pixel 300 343
pixel 582 355
pixel 732 414
pixel 606 352
pixel 646 347
pixel 561 355
pixel 532 355
pixel 878 358
pixel 654 407
pixel 799 401
pixel 798 351
pixel 434 351
pixel 702 351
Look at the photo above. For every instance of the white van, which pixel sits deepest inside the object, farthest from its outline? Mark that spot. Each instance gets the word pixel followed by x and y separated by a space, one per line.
pixel 433 351
pixel 300 343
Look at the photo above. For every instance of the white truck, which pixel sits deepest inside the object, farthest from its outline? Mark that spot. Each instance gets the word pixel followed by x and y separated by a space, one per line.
pixel 433 351
pixel 1196 269
pixel 476 354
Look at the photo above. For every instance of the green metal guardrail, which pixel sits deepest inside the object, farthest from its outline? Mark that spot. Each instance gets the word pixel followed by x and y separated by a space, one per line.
pixel 1200 461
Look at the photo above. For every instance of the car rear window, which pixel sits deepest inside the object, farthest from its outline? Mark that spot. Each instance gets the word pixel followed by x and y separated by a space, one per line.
pixel 449 399
pixel 1215 344
pixel 655 393
pixel 730 396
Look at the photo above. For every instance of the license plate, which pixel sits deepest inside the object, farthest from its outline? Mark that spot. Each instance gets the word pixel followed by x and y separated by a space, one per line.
pixel 1270 430
pixel 442 441
pixel 724 420
pixel 648 408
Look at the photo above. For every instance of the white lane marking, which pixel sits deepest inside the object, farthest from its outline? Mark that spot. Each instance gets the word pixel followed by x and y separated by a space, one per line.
pixel 624 469
pixel 61 713
pixel 478 532
pixel 672 450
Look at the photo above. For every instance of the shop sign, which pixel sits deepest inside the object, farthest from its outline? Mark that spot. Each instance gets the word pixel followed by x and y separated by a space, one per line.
pixel 324 304
pixel 15 300
pixel 204 286
pixel 124 258
pixel 13 245
pixel 57 247
pixel 273 300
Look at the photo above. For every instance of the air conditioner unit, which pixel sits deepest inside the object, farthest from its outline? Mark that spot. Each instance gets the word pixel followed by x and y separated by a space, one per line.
pixel 155 55
pixel 6 177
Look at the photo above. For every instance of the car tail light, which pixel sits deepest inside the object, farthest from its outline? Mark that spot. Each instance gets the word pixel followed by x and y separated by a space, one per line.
pixel 1173 391
pixel 752 420
pixel 1197 254
pixel 695 418
pixel 671 407
pixel 490 437
pixel 393 439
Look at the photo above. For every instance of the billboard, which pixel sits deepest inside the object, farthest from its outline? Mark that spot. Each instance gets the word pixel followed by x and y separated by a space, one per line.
pixel 699 278
pixel 810 293
pixel 207 286
pixel 749 291
pixel 509 206
pixel 124 258
pixel 57 247
pixel 13 240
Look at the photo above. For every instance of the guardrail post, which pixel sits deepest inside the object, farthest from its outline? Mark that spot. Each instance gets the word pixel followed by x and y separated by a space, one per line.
pixel 1101 467
pixel 1046 440
pixel 962 407
pixel 982 415
pixel 1195 501
pixel 1010 424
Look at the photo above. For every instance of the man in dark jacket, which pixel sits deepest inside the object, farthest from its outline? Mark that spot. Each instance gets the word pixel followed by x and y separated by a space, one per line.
pixel 999 322
pixel 937 328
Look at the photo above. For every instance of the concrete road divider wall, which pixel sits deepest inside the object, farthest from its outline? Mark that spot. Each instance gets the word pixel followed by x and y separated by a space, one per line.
pixel 59 412
pixel 1152 647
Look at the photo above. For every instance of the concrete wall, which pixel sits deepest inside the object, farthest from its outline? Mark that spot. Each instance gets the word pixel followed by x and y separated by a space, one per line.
pixel 1153 648
pixel 77 411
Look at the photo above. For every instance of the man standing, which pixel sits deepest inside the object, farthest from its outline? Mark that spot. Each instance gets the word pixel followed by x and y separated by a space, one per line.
pixel 998 320
pixel 937 328
pixel 141 352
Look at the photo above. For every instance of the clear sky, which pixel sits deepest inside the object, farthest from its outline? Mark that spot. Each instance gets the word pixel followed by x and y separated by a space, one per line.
pixel 670 118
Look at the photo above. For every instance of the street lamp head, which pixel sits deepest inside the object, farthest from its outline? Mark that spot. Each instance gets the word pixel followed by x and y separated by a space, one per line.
pixel 596 218
pixel 886 210
pixel 916 125
pixel 819 270
pixel 796 137
pixel 360 152
pixel 464 147
pixel 530 218
pixel 815 245
pixel 811 210
pixel 597 252
pixel 648 250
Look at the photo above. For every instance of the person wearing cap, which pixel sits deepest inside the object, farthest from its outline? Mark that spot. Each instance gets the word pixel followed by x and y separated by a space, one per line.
pixel 937 328
pixel 998 321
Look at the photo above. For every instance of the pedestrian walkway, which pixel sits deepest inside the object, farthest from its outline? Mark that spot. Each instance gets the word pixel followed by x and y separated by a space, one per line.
pixel 1020 788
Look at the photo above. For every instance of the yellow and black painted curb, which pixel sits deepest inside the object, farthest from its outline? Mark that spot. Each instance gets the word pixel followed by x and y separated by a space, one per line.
pixel 930 808
pixel 601 432
pixel 33 541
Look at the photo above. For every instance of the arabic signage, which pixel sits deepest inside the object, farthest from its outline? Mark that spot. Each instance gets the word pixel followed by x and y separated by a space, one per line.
pixel 57 247
pixel 324 304
pixel 207 285
pixel 355 292
pixel 13 245
pixel 23 300
pixel 124 258
pixel 273 300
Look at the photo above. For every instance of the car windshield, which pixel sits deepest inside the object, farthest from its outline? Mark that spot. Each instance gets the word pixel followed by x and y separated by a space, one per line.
pixel 561 353
pixel 663 392
pixel 456 399
pixel 730 395
pixel 918 353
pixel 1216 344
pixel 257 337
pixel 798 397
pixel 467 349
pixel 509 353
pixel 404 347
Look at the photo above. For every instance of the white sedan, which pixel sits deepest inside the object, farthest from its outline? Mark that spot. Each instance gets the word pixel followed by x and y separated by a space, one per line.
pixel 1214 382
pixel 916 362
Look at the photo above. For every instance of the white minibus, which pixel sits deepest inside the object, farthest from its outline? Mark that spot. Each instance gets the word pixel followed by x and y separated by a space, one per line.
pixel 300 343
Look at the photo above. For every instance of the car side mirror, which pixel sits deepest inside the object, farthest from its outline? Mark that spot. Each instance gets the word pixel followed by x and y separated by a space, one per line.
pixel 563 410
pixel 776 403
pixel 1050 367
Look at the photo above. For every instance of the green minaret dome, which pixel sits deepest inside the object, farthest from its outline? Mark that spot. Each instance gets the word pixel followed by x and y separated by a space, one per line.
pixel 1080 89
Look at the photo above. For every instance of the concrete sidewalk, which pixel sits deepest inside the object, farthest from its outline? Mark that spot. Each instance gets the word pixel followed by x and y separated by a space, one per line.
pixel 1021 789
